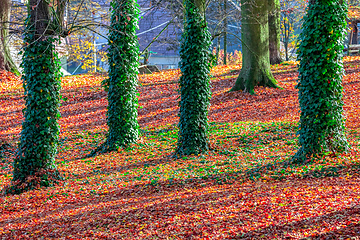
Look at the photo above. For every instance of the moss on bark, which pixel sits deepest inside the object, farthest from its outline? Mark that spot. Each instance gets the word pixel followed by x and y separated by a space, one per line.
pixel 255 70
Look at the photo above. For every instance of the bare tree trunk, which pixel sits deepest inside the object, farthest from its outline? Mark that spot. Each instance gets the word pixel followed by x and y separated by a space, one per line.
pixel 225 32
pixel 286 40
pixel 274 31
pixel 255 69
pixel 217 50
pixel 6 62
pixel 354 32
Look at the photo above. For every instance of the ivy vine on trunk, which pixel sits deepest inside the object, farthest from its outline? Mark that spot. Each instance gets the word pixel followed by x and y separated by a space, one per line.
pixel 34 164
pixel 321 70
pixel 121 85
pixel 195 81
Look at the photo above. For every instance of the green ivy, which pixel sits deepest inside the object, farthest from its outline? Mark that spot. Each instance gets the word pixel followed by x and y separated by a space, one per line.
pixel 122 84
pixel 320 88
pixel 194 82
pixel 34 164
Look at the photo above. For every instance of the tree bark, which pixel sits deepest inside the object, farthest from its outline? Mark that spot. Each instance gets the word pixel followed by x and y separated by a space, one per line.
pixel 274 31
pixel 201 5
pixel 286 39
pixel 255 70
pixel 354 32
pixel 6 62
pixel 225 32
pixel 217 50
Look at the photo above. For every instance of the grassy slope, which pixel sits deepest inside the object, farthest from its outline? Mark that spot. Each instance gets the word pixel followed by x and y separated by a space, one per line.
pixel 237 190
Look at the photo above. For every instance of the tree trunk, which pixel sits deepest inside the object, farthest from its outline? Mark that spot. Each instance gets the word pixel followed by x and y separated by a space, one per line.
pixel 6 62
pixel 225 32
pixel 286 39
pixel 194 81
pixel 255 70
pixel 35 161
pixel 123 60
pixel 354 32
pixel 123 54
pixel 218 38
pixel 217 50
pixel 322 128
pixel 274 31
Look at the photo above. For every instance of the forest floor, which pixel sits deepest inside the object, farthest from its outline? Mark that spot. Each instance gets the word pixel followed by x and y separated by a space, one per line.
pixel 239 190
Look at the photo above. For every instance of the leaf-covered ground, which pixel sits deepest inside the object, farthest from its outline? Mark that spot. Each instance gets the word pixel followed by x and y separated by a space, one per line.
pixel 239 190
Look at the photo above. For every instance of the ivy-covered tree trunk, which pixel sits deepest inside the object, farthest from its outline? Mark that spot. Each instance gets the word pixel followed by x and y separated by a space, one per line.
pixel 123 70
pixel 6 61
pixel 320 80
pixel 34 164
pixel 195 81
pixel 255 69
pixel 274 31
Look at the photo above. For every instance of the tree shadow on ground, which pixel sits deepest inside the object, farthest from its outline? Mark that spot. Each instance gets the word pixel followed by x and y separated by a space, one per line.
pixel 142 200
pixel 351 71
pixel 166 203
pixel 125 167
pixel 282 231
